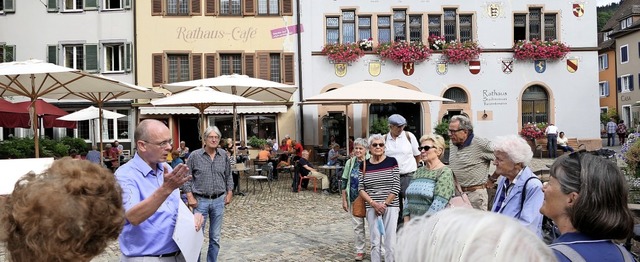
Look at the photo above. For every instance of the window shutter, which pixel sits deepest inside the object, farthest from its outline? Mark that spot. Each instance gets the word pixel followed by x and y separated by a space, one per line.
pixel 210 8
pixel 263 66
pixel 158 77
pixel 289 69
pixel 196 66
pixel 250 64
pixel 606 61
pixel 619 84
pixel 9 53
pixel 630 82
pixel 196 9
pixel 52 54
pixel 52 6
pixel 287 7
pixel 128 58
pixel 2 58
pixel 209 65
pixel 127 4
pixel 9 6
pixel 249 7
pixel 90 4
pixel 156 7
pixel 606 88
pixel 91 58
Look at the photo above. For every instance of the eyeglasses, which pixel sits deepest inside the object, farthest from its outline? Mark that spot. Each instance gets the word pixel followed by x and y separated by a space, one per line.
pixel 161 144
pixel 213 137
pixel 377 144
pixel 451 131
pixel 426 148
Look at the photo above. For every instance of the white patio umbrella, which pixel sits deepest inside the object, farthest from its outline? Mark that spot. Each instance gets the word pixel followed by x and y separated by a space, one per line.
pixel 35 79
pixel 92 113
pixel 367 92
pixel 203 97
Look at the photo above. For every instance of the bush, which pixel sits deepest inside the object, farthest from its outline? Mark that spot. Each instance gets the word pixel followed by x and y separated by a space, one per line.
pixel 257 143
pixel 443 130
pixel 24 147
pixel 76 143
pixel 379 125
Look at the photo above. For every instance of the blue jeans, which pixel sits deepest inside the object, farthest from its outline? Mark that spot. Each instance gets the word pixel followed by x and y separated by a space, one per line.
pixel 214 209
pixel 611 139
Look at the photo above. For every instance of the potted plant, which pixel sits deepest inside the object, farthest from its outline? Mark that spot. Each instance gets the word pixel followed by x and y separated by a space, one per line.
pixel 405 53
pixel 531 132
pixel 538 49
pixel 458 52
pixel 366 45
pixel 342 53
pixel 436 42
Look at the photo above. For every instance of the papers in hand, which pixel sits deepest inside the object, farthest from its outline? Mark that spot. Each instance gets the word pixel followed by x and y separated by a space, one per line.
pixel 185 235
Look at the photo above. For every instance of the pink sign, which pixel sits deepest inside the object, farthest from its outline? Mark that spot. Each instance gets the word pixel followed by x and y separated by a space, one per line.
pixel 285 31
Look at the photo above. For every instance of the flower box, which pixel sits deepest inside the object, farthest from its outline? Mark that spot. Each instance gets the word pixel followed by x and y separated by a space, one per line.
pixel 538 49
pixel 342 53
pixel 404 52
pixel 461 52
pixel 366 45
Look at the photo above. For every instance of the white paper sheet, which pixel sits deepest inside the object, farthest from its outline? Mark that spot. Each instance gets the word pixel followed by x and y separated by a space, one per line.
pixel 185 235
pixel 14 169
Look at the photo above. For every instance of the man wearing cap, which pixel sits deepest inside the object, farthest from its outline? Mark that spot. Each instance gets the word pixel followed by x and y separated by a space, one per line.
pixel 469 158
pixel 403 146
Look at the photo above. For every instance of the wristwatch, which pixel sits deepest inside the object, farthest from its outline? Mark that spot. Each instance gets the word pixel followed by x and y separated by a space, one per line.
pixel 492 179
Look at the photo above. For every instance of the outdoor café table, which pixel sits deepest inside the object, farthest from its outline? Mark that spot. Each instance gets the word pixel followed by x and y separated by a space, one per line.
pixel 330 171
pixel 241 172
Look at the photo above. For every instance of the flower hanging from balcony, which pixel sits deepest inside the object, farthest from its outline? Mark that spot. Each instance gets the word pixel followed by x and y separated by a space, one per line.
pixel 366 45
pixel 403 52
pixel 342 53
pixel 436 42
pixel 458 52
pixel 538 49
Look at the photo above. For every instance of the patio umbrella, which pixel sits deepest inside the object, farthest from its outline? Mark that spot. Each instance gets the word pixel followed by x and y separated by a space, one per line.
pixel 203 97
pixel 92 113
pixel 48 112
pixel 12 116
pixel 35 79
pixel 367 92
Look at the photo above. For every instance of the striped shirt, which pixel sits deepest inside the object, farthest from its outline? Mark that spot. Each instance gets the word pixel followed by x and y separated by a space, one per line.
pixel 210 177
pixel 380 180
pixel 470 164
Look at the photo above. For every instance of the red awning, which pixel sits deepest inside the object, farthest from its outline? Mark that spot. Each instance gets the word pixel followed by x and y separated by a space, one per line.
pixel 12 115
pixel 49 113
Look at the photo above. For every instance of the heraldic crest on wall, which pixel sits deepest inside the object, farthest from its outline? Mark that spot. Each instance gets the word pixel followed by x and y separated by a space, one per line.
pixel 375 66
pixel 341 69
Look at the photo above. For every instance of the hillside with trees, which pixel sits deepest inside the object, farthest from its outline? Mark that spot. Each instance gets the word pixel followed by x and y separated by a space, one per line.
pixel 605 12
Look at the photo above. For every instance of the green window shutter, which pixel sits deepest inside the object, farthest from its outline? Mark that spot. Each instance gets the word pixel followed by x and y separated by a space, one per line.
pixel 9 6
pixel 52 6
pixel 91 58
pixel 127 4
pixel 9 53
pixel 2 54
pixel 90 4
pixel 52 54
pixel 127 57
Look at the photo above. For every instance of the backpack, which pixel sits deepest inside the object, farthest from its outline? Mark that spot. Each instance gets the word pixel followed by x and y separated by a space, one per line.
pixel 549 229
pixel 406 134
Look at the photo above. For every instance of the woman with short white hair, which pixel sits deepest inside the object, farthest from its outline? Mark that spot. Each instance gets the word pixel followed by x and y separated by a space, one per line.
pixel 519 193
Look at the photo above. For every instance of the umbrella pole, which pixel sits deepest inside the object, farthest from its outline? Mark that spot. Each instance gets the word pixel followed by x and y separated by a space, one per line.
pixel 346 125
pixel 234 131
pixel 100 130
pixel 34 125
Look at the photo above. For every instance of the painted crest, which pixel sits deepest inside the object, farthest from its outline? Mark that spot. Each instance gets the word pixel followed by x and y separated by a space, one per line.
pixel 341 69
pixel 408 68
pixel 578 10
pixel 442 67
pixel 572 65
pixel 374 68
pixel 507 65
pixel 540 65
pixel 494 10
pixel 474 66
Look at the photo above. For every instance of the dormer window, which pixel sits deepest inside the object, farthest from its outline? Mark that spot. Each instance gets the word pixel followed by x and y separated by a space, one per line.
pixel 605 35
pixel 627 22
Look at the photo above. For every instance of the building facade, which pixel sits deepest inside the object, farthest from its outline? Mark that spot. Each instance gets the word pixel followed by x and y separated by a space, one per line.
pixel 497 92
pixel 187 40
pixel 91 35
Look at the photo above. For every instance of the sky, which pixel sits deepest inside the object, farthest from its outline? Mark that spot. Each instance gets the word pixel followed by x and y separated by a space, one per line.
pixel 606 2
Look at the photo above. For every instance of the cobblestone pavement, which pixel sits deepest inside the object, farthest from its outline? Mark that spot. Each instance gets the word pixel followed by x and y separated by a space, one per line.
pixel 283 226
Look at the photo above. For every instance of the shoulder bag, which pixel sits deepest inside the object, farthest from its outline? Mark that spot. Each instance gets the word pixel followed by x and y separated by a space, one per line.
pixel 358 208
pixel 459 199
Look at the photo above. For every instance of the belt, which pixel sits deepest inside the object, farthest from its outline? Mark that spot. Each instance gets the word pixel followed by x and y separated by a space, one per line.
pixel 214 196
pixel 172 254
pixel 472 188
pixel 407 174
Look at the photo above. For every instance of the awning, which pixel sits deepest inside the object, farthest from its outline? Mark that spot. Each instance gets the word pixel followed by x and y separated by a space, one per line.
pixel 213 110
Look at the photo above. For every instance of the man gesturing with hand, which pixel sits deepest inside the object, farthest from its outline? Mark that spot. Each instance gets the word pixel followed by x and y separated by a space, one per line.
pixel 150 197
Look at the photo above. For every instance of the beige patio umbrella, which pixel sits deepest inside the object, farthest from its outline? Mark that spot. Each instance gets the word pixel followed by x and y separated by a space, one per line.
pixel 367 92
pixel 35 79
pixel 202 97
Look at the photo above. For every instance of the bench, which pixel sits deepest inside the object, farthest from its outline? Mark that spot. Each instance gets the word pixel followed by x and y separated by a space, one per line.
pixel 541 146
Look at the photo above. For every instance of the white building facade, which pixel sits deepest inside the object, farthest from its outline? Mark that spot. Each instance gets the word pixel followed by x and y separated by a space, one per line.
pixel 500 98
pixel 91 35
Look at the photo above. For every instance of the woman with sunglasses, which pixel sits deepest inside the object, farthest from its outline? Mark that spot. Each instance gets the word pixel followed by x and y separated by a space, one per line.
pixel 432 185
pixel 586 197
pixel 350 191
pixel 379 184
pixel 513 155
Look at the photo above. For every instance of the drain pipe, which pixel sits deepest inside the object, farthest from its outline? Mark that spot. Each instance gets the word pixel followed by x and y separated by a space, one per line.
pixel 300 96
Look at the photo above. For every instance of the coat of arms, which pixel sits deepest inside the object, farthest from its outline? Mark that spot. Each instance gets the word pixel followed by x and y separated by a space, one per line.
pixel 442 67
pixel 341 69
pixel 374 68
pixel 507 65
pixel 408 68
pixel 578 10
pixel 572 65
pixel 540 65
pixel 474 67
pixel 494 10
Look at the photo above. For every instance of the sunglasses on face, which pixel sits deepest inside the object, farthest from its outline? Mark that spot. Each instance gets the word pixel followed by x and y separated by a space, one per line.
pixel 377 144
pixel 425 148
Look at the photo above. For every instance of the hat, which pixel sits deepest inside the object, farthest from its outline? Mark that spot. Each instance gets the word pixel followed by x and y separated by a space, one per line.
pixel 397 120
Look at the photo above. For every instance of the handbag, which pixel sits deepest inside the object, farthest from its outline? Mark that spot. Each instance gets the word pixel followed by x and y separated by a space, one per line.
pixel 358 208
pixel 459 199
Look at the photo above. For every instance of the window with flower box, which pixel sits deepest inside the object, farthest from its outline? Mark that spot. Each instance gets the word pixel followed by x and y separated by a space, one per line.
pixel 364 27
pixel 401 27
pixel 452 25
pixel 344 29
pixel 348 26
pixel 384 29
pixel 333 30
pixel 535 24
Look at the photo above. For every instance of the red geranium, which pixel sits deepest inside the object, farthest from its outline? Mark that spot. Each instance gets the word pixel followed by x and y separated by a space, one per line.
pixel 537 49
pixel 404 52
pixel 458 52
pixel 342 53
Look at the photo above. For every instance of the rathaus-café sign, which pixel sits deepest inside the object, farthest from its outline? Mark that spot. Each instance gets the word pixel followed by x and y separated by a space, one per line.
pixel 236 34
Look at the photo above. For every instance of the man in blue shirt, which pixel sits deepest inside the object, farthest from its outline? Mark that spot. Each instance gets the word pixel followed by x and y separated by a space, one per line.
pixel 150 197
pixel 94 155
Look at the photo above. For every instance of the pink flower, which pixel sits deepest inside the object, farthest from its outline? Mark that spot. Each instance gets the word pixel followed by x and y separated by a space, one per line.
pixel 404 52
pixel 536 49
pixel 343 53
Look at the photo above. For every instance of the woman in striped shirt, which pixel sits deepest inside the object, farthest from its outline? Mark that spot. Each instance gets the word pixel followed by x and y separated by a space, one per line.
pixel 379 184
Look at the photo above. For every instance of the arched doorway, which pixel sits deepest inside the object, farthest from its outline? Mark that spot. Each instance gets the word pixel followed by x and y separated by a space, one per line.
pixel 460 102
pixel 379 113
pixel 535 105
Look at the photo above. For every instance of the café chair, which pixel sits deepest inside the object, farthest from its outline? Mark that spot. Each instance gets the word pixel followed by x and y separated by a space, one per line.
pixel 308 178
pixel 266 169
